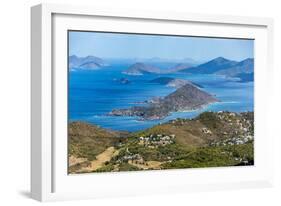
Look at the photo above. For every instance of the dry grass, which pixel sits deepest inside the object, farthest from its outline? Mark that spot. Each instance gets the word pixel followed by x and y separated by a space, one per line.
pixel 100 160
pixel 147 165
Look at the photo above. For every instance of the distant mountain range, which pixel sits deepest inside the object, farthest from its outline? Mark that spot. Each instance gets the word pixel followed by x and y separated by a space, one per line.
pixel 211 67
pixel 245 66
pixel 141 68
pixel 219 66
pixel 88 62
pixel 180 67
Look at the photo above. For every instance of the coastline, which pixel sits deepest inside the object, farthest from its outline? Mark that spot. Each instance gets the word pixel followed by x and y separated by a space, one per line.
pixel 96 112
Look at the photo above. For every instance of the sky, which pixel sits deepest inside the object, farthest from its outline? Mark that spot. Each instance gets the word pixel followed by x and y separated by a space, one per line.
pixel 117 45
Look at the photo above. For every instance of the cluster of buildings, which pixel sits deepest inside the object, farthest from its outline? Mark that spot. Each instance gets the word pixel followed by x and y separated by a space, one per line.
pixel 233 141
pixel 136 158
pixel 238 130
pixel 157 140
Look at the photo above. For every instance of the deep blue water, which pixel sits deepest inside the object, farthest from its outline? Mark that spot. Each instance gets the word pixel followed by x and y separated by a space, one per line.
pixel 93 94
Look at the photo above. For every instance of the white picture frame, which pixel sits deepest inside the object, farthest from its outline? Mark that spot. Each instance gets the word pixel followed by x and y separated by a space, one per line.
pixel 49 178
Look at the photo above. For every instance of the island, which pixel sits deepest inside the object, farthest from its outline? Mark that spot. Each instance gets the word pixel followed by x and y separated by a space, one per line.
pixel 243 70
pixel 122 80
pixel 173 82
pixel 245 77
pixel 85 63
pixel 140 69
pixel 212 66
pixel 185 98
pixel 180 67
pixel 244 67
pixel 218 66
pixel 90 65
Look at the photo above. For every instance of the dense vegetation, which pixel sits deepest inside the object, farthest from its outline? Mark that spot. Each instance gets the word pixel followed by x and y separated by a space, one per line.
pixel 210 140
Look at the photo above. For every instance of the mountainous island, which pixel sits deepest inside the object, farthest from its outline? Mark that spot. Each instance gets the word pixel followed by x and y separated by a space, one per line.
pixel 212 66
pixel 144 68
pixel 173 82
pixel 178 67
pixel 244 67
pixel 218 66
pixel 141 68
pixel 245 77
pixel 86 63
pixel 243 70
pixel 187 97
pixel 213 139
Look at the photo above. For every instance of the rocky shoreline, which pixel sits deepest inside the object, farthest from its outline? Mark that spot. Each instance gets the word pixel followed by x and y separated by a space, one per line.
pixel 188 97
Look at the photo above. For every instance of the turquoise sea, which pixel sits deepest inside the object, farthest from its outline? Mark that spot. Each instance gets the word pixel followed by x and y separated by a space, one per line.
pixel 94 93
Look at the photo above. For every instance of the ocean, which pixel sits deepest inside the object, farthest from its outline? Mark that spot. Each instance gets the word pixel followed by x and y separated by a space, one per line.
pixel 92 94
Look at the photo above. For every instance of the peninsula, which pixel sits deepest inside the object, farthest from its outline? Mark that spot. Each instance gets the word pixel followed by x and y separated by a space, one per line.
pixel 187 97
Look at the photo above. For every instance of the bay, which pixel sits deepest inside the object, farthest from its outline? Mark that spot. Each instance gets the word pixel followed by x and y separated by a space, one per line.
pixel 94 93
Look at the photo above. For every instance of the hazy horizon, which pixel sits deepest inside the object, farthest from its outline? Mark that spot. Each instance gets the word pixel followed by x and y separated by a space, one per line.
pixel 151 58
pixel 143 46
